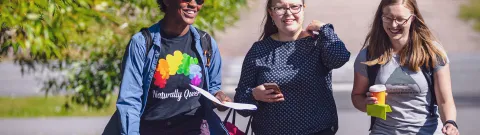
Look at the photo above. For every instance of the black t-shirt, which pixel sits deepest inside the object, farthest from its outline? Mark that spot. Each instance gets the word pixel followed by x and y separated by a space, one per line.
pixel 170 94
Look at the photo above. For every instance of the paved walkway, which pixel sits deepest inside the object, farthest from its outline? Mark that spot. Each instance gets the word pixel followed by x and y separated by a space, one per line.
pixel 351 122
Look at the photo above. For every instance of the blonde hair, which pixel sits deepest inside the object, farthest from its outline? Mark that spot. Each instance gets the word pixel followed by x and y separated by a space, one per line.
pixel 420 49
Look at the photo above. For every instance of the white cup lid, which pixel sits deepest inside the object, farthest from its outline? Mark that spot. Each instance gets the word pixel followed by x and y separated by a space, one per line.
pixel 378 88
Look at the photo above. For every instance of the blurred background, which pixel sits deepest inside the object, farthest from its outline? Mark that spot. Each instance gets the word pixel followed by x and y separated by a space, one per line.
pixel 59 60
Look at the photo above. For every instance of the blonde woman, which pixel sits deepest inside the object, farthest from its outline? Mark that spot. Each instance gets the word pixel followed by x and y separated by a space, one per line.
pixel 401 52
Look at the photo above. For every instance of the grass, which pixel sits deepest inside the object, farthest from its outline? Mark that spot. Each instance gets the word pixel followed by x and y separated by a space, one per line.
pixel 51 106
pixel 471 12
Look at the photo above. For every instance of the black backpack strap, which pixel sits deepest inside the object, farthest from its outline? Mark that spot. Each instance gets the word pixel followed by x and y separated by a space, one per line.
pixel 372 72
pixel 148 39
pixel 206 42
pixel 148 43
pixel 428 73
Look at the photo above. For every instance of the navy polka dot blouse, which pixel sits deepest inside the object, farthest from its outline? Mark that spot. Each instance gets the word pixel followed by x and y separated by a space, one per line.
pixel 302 69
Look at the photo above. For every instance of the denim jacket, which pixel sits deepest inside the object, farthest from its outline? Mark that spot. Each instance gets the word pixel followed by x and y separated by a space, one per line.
pixel 137 77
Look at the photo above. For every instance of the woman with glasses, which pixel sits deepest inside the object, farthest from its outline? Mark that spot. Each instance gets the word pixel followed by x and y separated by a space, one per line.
pixel 155 96
pixel 300 63
pixel 401 53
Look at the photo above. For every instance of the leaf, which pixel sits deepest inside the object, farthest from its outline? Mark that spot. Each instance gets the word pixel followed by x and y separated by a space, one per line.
pixel 33 16
pixel 471 12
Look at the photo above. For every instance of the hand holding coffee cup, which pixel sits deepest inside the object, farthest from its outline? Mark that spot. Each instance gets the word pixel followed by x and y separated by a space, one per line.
pixel 376 95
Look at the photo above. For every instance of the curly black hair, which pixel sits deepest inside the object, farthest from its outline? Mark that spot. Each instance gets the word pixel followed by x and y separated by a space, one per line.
pixel 162 5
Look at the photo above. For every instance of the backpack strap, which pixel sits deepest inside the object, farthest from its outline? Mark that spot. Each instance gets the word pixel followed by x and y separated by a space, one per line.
pixel 148 39
pixel 148 43
pixel 372 72
pixel 428 73
pixel 206 42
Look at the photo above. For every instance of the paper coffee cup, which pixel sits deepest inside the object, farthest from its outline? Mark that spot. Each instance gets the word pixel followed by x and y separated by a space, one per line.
pixel 379 91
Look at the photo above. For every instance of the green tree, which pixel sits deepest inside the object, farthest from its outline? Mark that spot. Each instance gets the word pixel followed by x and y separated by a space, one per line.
pixel 84 40
pixel 471 12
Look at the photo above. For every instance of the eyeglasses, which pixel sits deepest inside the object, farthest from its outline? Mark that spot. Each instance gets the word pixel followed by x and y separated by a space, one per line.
pixel 295 9
pixel 199 2
pixel 399 21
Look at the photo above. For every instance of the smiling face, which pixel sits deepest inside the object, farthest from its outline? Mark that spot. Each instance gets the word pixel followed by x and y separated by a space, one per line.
pixel 185 10
pixel 287 15
pixel 397 20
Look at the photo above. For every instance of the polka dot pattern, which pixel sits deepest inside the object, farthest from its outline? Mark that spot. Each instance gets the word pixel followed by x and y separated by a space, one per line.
pixel 302 69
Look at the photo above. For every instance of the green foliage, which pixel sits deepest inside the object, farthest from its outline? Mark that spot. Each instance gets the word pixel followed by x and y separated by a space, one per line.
pixel 47 107
pixel 84 40
pixel 471 12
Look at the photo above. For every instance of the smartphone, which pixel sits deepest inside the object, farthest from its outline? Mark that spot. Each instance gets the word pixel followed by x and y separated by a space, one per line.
pixel 272 86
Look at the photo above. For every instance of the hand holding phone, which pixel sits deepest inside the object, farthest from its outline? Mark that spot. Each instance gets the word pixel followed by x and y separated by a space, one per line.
pixel 273 86
pixel 263 93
